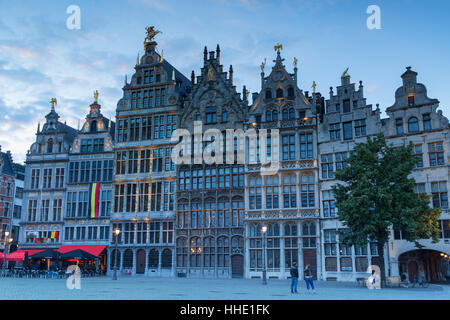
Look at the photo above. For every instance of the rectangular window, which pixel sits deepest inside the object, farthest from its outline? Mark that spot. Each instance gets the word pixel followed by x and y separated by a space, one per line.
pixel 360 128
pixel 340 160
pixel 418 155
pixel 306 146
pixel 47 179
pixel 133 159
pixel 426 122
pixel 347 127
pixel 329 207
pixel 439 193
pixel 107 170
pixel 327 166
pixel 346 106
pixel 59 178
pixel 335 131
pixel 399 126
pixel 71 204
pixel 330 250
pixel 57 209
pixel 146 128
pixel 83 204
pixel 32 207
pixel 35 175
pixel 105 203
pixel 45 207
pixel 255 191
pixel 211 115
pixel 436 154
pixel 99 145
pixel 289 191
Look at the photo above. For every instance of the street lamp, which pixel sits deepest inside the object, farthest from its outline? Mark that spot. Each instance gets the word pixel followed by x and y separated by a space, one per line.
pixel 6 244
pixel 264 277
pixel 116 233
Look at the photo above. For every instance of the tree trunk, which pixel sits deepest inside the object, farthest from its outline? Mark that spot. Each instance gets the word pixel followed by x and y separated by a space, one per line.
pixel 380 248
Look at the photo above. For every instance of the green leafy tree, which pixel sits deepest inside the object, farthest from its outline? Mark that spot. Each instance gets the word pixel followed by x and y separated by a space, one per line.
pixel 378 194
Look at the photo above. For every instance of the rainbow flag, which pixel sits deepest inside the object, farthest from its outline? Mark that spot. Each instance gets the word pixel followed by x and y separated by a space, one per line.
pixel 94 199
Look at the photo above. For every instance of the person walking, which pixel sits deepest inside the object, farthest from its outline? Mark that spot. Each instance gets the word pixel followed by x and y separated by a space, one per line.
pixel 294 277
pixel 309 278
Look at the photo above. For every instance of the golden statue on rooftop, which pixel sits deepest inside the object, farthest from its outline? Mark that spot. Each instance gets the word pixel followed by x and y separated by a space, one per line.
pixel 96 96
pixel 151 33
pixel 53 102
pixel 278 47
pixel 263 64
pixel 314 85
pixel 295 62
pixel 345 74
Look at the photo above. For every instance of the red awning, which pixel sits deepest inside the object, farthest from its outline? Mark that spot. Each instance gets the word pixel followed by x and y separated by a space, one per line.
pixel 19 255
pixel 95 250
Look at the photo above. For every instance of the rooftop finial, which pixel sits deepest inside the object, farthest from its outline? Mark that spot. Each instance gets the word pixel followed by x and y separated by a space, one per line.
pixel 314 85
pixel 218 53
pixel 278 47
pixel 96 96
pixel 53 101
pixel 205 54
pixel 263 64
pixel 151 33
pixel 137 59
pixel 345 74
pixel 126 80
pixel 295 62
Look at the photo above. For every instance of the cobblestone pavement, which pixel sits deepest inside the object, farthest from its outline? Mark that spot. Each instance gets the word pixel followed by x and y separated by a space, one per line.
pixel 139 288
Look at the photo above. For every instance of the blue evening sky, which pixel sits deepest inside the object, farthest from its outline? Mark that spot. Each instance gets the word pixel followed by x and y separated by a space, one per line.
pixel 40 58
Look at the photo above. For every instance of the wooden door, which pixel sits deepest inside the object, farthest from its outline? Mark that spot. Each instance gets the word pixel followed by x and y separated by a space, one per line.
pixel 140 261
pixel 412 270
pixel 237 266
pixel 309 257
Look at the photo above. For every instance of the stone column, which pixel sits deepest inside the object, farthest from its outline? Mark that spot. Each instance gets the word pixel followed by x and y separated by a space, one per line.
pixel 300 250
pixel 247 252
pixel 133 269
pixel 160 261
pixel 282 254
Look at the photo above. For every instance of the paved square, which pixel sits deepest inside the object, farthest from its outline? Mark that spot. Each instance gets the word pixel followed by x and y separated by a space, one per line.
pixel 140 288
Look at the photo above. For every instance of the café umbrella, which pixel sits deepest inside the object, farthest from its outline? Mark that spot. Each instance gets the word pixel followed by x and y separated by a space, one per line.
pixel 46 254
pixel 78 254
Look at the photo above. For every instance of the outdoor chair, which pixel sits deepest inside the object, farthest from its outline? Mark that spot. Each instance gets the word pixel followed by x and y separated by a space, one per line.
pixel 393 282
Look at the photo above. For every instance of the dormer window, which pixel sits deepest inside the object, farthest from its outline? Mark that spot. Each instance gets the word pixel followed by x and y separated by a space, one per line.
pixel 347 106
pixel 268 94
pixel 50 145
pixel 411 101
pixel 290 92
pixel 413 125
pixel 211 116
pixel 93 127
pixel 426 122
pixel 279 93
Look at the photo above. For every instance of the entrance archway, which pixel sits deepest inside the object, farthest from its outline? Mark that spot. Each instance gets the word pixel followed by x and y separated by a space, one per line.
pixel 432 265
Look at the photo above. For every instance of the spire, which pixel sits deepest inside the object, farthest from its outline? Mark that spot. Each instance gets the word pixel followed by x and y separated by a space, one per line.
pixel 192 77
pixel 205 54
pixel 231 74
pixel 218 54
pixel 78 125
pixel 137 59
pixel 125 80
pixel 39 127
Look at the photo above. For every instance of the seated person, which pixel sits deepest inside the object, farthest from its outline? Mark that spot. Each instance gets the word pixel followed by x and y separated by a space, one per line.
pixel 404 279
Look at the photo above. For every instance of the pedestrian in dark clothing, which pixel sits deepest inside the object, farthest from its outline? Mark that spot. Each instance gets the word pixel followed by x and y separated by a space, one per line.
pixel 294 277
pixel 309 278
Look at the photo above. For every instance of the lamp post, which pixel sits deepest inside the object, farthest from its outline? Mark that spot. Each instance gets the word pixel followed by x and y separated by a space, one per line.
pixel 264 276
pixel 116 233
pixel 4 249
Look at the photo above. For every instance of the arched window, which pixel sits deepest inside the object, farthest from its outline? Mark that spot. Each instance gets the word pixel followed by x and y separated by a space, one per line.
pixel 290 243
pixel 237 215
pixel 268 94
pixel 223 252
pixel 128 259
pixel 290 92
pixel 273 246
pixel 209 251
pixel 268 116
pixel 255 191
pixel 279 93
pixel 291 113
pixel 289 191
pixel 50 145
pixel 285 114
pixel 195 252
pixel 153 259
pixel 413 124
pixel 182 249
pixel 93 127
pixel 115 255
pixel 166 258
pixel 274 115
